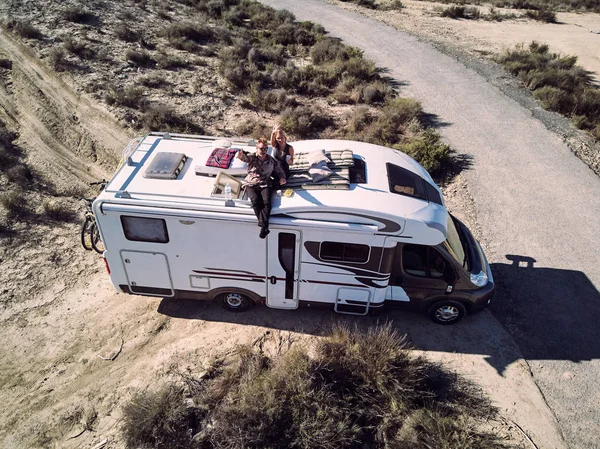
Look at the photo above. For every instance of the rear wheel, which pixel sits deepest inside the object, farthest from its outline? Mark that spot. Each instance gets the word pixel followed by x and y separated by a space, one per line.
pixel 446 312
pixel 97 243
pixel 86 235
pixel 234 302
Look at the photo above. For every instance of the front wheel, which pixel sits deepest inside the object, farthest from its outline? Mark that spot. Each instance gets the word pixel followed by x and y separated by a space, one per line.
pixel 234 302
pixel 446 312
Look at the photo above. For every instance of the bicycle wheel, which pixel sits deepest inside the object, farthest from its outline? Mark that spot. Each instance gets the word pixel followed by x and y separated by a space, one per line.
pixel 86 235
pixel 97 243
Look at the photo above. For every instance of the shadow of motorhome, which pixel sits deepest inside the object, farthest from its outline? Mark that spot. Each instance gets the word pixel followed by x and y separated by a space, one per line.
pixel 551 314
pixel 541 313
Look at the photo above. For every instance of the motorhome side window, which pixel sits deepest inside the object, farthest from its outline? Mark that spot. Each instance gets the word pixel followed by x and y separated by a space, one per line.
pixel 344 252
pixel 142 229
pixel 423 261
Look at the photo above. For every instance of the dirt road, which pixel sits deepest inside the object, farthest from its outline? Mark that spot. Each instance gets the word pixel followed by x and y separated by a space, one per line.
pixel 537 206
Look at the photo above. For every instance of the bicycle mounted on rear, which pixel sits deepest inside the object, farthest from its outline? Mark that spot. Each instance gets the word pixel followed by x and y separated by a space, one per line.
pixel 90 236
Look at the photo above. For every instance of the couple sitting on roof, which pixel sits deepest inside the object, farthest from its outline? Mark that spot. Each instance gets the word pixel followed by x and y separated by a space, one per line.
pixel 261 167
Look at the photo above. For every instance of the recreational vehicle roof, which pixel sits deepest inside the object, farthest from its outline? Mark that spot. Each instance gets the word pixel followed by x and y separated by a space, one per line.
pixel 371 203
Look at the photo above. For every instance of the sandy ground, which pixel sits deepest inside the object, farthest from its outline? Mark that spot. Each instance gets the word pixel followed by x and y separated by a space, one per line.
pixel 74 350
pixel 575 33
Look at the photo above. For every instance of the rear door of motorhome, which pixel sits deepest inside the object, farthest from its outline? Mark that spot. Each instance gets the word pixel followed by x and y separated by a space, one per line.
pixel 283 268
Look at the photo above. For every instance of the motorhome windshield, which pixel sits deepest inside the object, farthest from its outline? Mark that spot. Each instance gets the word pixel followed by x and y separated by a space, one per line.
pixel 454 243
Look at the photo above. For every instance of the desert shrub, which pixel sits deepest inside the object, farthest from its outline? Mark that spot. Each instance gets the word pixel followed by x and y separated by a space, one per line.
pixel 252 127
pixel 461 12
pixel 304 121
pixel 20 174
pixel 169 61
pixel 79 48
pixel 57 58
pixel 163 118
pixel 125 33
pixel 366 3
pixel 25 29
pixel 355 389
pixel 14 204
pixel 429 151
pixel 78 15
pixel 554 99
pixel 329 49
pixel 187 35
pixel 130 97
pixel 154 81
pixel 542 15
pixel 393 5
pixel 156 419
pixel 57 211
pixel 496 16
pixel 139 58
pixel 269 100
pixel 557 82
pixel 290 33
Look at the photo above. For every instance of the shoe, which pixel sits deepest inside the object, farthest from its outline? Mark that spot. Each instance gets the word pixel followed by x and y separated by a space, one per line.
pixel 264 232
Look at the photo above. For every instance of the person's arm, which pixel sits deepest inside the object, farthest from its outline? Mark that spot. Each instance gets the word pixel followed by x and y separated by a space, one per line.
pixel 291 161
pixel 243 156
pixel 279 172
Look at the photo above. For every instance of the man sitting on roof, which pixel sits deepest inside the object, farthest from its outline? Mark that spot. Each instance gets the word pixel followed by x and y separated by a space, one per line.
pixel 260 168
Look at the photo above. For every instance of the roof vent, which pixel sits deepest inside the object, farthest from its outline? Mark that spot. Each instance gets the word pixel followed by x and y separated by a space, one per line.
pixel 165 166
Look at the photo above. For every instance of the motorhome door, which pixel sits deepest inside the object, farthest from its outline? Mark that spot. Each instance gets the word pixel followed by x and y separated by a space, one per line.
pixel 147 273
pixel 283 268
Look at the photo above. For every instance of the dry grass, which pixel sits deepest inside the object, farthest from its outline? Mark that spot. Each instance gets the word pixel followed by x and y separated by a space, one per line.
pixel 355 389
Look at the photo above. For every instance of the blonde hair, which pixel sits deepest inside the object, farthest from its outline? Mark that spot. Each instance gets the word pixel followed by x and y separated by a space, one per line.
pixel 274 137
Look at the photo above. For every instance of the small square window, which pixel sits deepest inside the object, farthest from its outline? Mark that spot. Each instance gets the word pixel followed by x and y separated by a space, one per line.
pixel 142 229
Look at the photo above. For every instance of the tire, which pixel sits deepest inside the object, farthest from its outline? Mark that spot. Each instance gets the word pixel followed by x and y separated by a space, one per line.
pixel 86 235
pixel 97 243
pixel 234 302
pixel 446 312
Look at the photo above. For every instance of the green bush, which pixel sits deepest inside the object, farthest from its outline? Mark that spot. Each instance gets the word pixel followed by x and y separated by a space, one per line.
pixel 429 151
pixel 169 61
pixel 557 82
pixel 187 35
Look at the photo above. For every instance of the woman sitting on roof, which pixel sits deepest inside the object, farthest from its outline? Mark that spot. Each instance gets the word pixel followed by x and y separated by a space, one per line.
pixel 283 151
pixel 260 168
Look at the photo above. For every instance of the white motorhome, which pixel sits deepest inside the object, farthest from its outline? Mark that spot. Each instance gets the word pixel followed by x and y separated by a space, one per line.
pixel 374 233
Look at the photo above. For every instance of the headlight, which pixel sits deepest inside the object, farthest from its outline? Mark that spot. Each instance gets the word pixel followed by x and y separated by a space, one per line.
pixel 479 279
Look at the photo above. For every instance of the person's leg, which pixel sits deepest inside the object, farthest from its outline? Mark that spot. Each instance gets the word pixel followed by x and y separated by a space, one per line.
pixel 257 202
pixel 265 213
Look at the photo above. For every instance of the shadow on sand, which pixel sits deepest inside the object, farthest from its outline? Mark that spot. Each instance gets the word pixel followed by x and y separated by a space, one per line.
pixel 540 314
